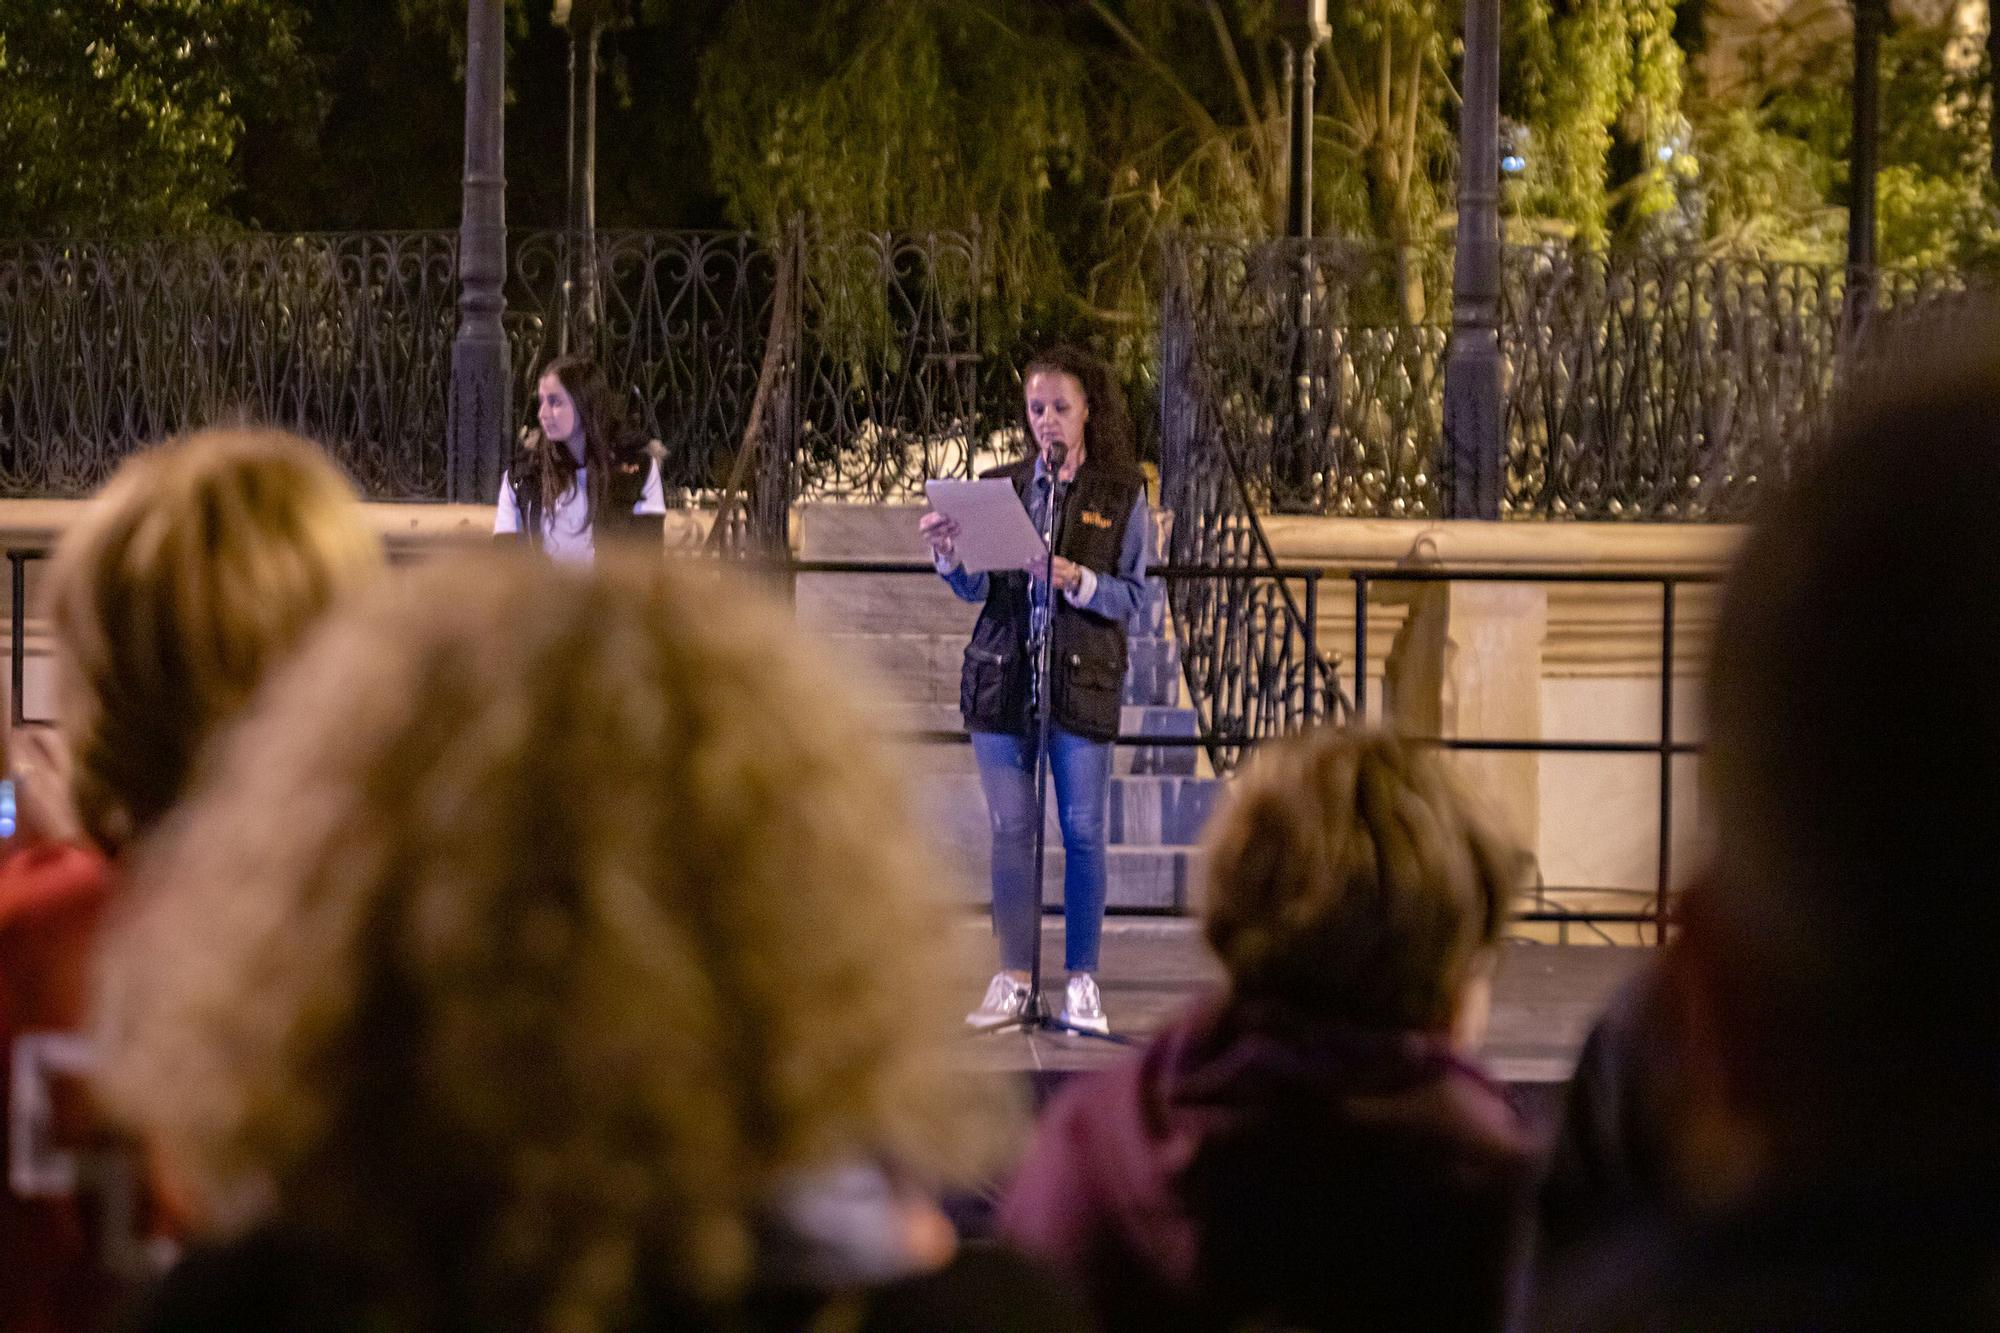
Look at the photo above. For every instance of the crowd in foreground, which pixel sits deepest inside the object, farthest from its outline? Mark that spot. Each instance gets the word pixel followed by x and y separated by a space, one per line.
pixel 518 945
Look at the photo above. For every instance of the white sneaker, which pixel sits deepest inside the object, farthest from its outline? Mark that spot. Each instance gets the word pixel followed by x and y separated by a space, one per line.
pixel 1083 1007
pixel 1006 1002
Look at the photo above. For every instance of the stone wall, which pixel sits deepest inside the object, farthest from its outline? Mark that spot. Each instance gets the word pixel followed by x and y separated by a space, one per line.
pixel 1536 661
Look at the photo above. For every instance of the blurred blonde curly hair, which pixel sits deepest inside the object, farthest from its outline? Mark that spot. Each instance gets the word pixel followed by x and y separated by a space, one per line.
pixel 1351 875
pixel 536 926
pixel 198 566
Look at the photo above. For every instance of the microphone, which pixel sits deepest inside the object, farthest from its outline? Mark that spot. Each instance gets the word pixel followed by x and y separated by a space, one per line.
pixel 1055 453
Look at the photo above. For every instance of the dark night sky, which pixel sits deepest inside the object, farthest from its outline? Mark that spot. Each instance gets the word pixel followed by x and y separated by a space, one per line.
pixel 390 150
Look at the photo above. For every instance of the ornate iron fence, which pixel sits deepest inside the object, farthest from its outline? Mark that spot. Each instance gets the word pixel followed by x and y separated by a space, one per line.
pixel 1673 387
pixel 1247 646
pixel 1638 386
pixel 107 346
pixel 1324 386
pixel 872 388
pixel 892 356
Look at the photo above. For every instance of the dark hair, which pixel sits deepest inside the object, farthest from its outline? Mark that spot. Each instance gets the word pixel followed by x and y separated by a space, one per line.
pixel 1107 436
pixel 1853 795
pixel 543 472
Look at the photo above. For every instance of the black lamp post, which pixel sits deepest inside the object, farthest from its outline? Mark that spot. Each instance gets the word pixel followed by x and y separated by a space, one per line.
pixel 482 401
pixel 1472 422
pixel 584 20
pixel 1303 26
pixel 1870 18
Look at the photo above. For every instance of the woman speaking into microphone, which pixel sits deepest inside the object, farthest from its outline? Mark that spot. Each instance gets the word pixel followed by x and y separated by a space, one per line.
pixel 1082 432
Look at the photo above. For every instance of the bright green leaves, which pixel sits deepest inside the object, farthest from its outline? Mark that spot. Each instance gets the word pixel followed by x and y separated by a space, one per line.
pixel 124 115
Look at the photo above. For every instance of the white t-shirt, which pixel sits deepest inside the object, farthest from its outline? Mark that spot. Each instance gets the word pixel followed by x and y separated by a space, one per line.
pixel 566 533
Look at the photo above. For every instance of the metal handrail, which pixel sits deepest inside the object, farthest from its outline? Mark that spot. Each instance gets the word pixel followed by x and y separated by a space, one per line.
pixel 1665 746
pixel 1361 578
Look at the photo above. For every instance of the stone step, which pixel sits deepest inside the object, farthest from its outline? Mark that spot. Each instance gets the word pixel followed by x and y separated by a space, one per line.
pixel 922 603
pixel 835 531
pixel 925 758
pixel 838 530
pixel 909 715
pixel 910 628
pixel 1153 675
pixel 904 668
pixel 881 604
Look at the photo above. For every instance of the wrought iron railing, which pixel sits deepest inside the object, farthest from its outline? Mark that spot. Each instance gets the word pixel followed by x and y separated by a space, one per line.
pixel 1323 376
pixel 109 345
pixel 872 387
pixel 1671 387
pixel 1248 647
pixel 892 345
pixel 681 323
pixel 685 322
pixel 1638 385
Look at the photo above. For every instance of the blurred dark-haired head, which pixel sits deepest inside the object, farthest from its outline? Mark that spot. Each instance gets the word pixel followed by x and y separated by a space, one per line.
pixel 1854 728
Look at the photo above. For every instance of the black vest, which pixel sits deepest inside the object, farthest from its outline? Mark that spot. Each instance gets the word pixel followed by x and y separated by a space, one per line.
pixel 622 490
pixel 1088 665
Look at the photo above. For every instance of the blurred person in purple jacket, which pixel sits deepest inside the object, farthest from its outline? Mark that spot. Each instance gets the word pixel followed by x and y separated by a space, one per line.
pixel 1288 1153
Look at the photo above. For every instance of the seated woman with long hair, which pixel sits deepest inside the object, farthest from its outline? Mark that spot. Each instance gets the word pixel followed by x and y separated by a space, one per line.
pixel 585 475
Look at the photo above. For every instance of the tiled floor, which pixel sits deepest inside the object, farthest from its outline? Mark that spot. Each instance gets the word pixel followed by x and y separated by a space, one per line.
pixel 1544 1002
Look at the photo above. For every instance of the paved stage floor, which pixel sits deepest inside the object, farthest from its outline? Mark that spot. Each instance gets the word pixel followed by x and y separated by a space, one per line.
pixel 1546 997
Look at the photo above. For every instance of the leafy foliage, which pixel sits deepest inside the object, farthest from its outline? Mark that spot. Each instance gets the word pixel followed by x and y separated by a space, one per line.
pixel 1077 134
pixel 1773 154
pixel 1760 191
pixel 1597 74
pixel 125 115
pixel 913 115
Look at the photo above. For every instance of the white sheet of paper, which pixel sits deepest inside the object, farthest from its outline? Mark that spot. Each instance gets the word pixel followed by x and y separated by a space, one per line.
pixel 994 530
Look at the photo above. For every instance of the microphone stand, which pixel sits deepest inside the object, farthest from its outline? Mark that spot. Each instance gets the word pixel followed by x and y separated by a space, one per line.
pixel 1035 1016
pixel 1043 651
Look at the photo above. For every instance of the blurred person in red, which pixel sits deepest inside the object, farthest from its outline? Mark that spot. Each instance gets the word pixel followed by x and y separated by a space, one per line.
pixel 200 564
pixel 51 896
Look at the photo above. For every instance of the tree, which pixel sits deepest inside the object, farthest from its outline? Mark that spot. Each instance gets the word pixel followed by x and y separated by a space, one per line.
pixel 930 113
pixel 1598 77
pixel 382 146
pixel 121 117
pixel 1079 133
pixel 653 159
pixel 1771 140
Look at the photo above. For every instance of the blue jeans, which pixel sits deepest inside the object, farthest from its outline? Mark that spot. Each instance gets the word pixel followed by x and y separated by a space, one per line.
pixel 1081 770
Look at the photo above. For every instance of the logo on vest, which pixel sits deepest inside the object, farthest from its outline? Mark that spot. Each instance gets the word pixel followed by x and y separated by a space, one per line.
pixel 1094 519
